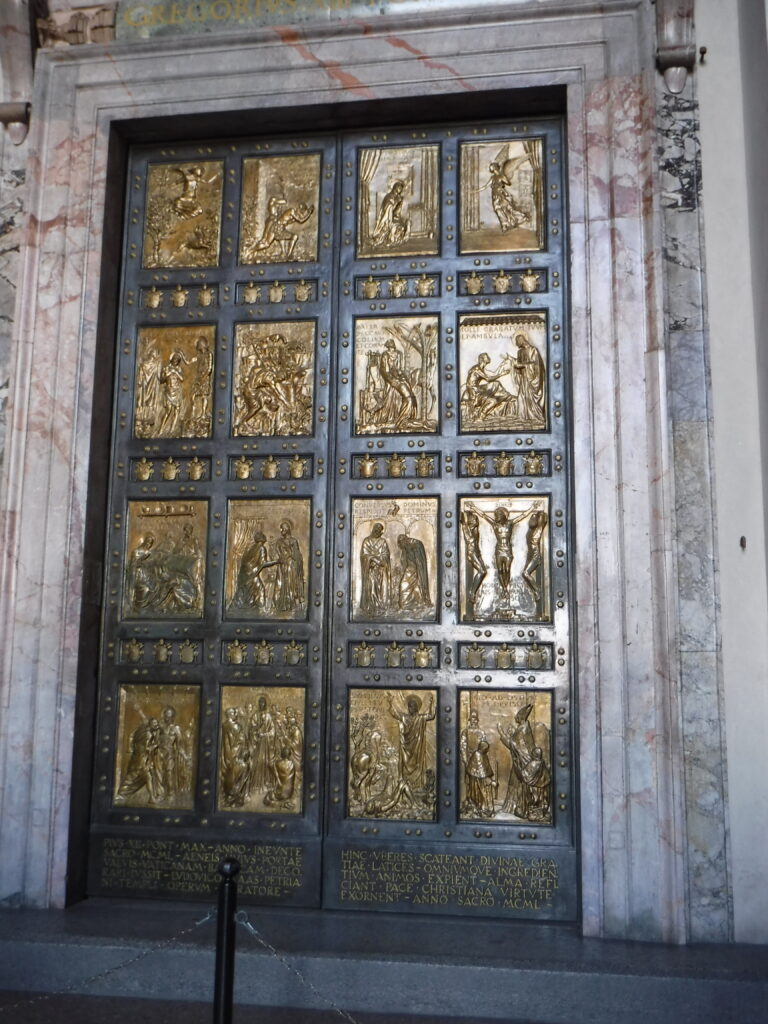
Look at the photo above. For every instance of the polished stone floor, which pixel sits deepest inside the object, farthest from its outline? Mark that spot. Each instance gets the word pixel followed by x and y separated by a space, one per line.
pixel 148 962
pixel 30 1008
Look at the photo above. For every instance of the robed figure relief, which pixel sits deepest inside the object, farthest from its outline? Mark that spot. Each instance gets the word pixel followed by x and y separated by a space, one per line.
pixel 396 388
pixel 505 559
pixel 174 382
pixel 398 202
pixel 503 372
pixel 182 223
pixel 394 573
pixel 261 749
pixel 392 754
pixel 280 209
pixel 165 566
pixel 501 196
pixel 157 746
pixel 273 379
pixel 506 756
pixel 267 559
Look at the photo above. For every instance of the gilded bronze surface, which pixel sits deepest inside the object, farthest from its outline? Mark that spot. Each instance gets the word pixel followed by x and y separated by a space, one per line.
pixel 398 201
pixel 174 381
pixel 338 498
pixel 394 559
pixel 396 390
pixel 501 195
pixel 267 558
pixel 506 656
pixel 156 753
pixel 274 379
pixel 506 756
pixel 503 362
pixel 279 209
pixel 165 563
pixel 392 754
pixel 182 225
pixel 504 559
pixel 261 749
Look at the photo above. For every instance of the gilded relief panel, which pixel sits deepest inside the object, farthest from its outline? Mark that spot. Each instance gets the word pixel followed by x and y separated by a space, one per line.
pixel 261 749
pixel 267 558
pixel 504 573
pixel 394 559
pixel 274 379
pixel 174 382
pixel 165 564
pixel 396 387
pixel 279 221
pixel 503 369
pixel 398 201
pixel 506 756
pixel 182 226
pixel 392 745
pixel 501 196
pixel 157 740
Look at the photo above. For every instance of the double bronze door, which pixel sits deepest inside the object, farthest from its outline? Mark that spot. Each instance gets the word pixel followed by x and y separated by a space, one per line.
pixel 336 629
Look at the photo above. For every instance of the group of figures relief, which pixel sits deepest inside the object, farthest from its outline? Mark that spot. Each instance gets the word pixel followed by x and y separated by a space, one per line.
pixel 157 745
pixel 396 367
pixel 261 756
pixel 273 383
pixel 267 558
pixel 505 569
pixel 505 385
pixel 166 564
pixel 506 756
pixel 392 754
pixel 394 573
pixel 500 183
pixel 174 382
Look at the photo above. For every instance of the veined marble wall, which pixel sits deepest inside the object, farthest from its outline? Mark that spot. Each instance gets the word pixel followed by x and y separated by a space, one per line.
pixel 13 166
pixel 652 788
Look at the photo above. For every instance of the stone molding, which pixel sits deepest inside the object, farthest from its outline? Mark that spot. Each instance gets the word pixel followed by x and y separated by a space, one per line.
pixel 632 809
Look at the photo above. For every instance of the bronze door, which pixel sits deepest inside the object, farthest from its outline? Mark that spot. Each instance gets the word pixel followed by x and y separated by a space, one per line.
pixel 336 629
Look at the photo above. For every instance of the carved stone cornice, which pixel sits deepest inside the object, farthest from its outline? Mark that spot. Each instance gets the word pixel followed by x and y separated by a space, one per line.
pixel 675 48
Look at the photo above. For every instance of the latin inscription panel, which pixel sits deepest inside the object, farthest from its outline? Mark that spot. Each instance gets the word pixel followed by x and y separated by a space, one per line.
pixel 270 873
pixel 455 880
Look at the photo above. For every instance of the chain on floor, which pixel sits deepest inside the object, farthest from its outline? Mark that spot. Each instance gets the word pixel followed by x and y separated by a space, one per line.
pixel 242 919
pixel 77 988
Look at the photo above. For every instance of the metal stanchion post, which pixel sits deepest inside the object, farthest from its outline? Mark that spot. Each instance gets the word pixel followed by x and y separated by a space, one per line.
pixel 225 942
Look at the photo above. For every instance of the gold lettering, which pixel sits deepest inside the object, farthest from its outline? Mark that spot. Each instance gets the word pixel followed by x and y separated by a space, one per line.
pixel 196 12
pixel 137 16
pixel 222 6
pixel 176 17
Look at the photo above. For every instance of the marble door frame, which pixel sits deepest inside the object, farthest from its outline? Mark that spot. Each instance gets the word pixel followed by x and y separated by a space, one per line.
pixel 632 807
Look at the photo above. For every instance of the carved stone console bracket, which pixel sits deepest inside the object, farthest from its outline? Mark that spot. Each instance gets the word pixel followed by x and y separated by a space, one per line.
pixel 675 51
pixel 15 118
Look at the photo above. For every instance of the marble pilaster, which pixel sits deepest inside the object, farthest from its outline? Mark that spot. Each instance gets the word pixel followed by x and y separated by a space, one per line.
pixel 708 890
